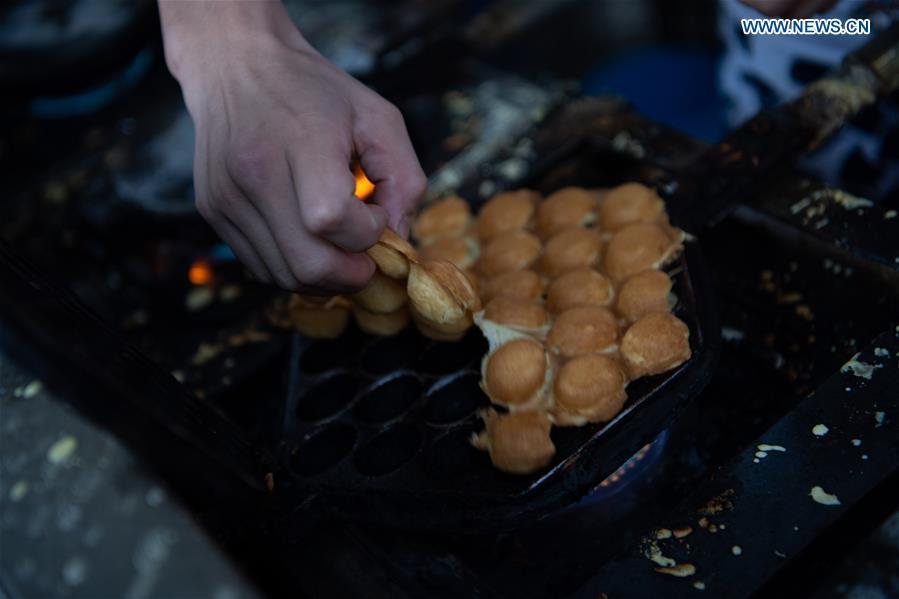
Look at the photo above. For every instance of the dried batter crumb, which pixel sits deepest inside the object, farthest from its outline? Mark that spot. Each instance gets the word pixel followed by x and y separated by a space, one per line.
pixel 856 442
pixel 766 447
pixel 803 311
pixel 878 418
pixel 680 533
pixel 736 550
pixel 819 430
pixel 859 368
pixel 679 570
pixel 881 353
pixel 699 585
pixel 823 497
pixel 62 450
pixel 720 503
pixel 32 389
pixel 18 491
pixel 653 553
pixel 703 522
pixel 663 533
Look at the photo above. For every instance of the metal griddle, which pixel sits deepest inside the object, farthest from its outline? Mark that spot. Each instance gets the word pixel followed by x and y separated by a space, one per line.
pixel 378 429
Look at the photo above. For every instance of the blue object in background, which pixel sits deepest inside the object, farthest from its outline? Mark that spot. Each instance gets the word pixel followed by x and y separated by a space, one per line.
pixel 674 85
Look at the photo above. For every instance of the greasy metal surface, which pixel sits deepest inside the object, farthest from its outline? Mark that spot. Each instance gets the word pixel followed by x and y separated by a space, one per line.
pixel 759 513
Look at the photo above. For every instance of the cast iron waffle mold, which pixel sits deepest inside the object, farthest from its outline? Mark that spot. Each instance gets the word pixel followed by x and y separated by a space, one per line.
pixel 378 428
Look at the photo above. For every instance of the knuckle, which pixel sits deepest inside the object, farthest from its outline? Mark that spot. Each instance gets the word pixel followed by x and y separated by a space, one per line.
pixel 413 185
pixel 392 113
pixel 324 217
pixel 314 273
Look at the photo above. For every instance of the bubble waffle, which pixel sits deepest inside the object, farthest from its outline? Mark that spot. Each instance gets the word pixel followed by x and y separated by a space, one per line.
pixel 606 320
pixel 570 321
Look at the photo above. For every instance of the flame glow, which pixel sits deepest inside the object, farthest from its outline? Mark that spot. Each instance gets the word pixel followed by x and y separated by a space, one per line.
pixel 200 273
pixel 364 187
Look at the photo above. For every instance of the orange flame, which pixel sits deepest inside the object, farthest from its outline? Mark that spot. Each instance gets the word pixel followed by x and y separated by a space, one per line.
pixel 364 187
pixel 200 273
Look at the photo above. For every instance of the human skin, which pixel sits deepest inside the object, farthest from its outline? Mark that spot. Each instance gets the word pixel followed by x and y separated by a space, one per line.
pixel 277 127
pixel 797 9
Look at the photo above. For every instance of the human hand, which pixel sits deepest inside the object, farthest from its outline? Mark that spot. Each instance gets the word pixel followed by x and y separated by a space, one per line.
pixel 795 9
pixel 277 126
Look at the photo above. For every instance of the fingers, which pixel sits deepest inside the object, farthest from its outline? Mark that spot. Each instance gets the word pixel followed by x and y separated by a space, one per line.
pixel 389 160
pixel 324 190
pixel 315 264
pixel 243 249
pixel 243 224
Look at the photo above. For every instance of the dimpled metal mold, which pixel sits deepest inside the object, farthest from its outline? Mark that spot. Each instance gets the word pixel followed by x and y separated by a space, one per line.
pixel 400 412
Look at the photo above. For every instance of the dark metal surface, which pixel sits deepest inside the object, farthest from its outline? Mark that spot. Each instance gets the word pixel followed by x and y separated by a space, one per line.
pixel 114 384
pixel 761 507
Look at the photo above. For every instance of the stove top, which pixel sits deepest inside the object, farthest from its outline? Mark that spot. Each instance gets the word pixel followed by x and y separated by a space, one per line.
pixel 724 500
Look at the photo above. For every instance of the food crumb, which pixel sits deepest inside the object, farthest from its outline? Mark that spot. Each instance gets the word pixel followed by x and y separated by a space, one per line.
pixel 663 533
pixel 703 522
pixel 680 533
pixel 819 430
pixel 823 497
pixel 859 368
pixel 881 353
pixel 62 450
pixel 736 550
pixel 269 482
pixel 864 456
pixel 779 554
pixel 805 312
pixel 699 585
pixel 721 502
pixel 878 418
pixel 18 491
pixel 32 389
pixel 653 553
pixel 890 214
pixel 679 570
pixel 856 442
pixel 766 447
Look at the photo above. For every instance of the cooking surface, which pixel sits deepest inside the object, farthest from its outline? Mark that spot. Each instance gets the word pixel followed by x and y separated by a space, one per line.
pixel 803 281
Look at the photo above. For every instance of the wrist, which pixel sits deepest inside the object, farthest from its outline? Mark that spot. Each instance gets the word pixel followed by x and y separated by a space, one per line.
pixel 200 37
